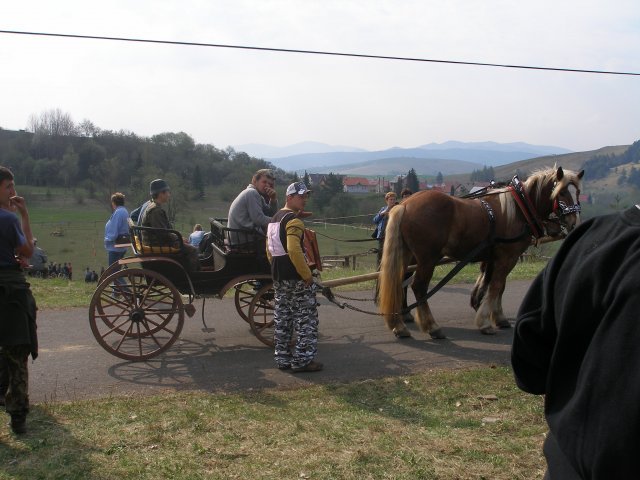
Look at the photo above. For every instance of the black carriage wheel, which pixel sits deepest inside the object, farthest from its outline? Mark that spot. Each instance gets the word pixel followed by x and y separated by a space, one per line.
pixel 136 314
pixel 117 292
pixel 245 291
pixel 261 314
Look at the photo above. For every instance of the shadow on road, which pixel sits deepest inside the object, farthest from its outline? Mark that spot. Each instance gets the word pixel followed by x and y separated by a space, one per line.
pixel 191 365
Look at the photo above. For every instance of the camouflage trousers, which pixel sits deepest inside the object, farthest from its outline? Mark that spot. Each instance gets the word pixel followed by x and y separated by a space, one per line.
pixel 296 313
pixel 14 378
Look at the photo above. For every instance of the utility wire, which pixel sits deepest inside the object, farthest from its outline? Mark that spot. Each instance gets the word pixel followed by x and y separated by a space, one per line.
pixel 315 52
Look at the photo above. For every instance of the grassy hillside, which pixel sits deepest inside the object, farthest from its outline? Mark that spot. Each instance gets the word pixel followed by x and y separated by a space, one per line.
pixel 606 194
pixel 572 161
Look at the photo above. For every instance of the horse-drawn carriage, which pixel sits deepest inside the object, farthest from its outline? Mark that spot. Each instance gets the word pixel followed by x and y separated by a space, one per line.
pixel 139 305
pixel 138 308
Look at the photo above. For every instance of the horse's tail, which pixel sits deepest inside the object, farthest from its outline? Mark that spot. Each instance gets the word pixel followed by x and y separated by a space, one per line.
pixel 482 284
pixel 392 268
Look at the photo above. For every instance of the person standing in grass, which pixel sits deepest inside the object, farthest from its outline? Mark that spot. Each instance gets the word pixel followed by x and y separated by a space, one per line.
pixel 296 307
pixel 116 226
pixel 18 336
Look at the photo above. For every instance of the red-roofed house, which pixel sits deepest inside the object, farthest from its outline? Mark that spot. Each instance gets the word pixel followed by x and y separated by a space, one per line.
pixel 356 185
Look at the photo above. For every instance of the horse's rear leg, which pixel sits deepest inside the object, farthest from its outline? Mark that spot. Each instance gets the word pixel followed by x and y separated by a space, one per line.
pixel 424 317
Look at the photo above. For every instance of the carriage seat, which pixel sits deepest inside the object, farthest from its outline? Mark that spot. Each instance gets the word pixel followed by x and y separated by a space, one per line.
pixel 155 241
pixel 236 241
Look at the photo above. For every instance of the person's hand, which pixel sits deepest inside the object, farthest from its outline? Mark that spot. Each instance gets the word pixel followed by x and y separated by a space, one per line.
pixel 270 193
pixel 23 261
pixel 18 204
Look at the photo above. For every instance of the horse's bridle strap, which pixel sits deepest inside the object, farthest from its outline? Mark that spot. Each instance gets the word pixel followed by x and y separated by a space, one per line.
pixel 526 207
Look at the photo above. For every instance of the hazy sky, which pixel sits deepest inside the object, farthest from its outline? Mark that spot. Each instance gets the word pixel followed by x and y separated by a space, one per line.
pixel 231 97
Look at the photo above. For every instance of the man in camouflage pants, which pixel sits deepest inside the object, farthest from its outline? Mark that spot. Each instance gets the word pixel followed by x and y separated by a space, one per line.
pixel 295 292
pixel 18 320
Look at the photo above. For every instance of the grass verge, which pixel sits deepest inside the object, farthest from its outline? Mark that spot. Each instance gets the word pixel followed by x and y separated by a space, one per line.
pixel 471 423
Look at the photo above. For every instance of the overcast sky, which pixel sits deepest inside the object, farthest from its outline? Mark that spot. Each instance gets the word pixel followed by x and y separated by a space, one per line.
pixel 232 97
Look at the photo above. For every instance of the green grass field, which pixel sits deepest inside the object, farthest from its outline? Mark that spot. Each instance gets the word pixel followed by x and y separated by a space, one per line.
pixel 73 232
pixel 463 424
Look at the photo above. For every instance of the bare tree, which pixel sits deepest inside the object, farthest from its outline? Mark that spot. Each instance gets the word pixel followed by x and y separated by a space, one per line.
pixel 51 130
pixel 54 122
pixel 87 128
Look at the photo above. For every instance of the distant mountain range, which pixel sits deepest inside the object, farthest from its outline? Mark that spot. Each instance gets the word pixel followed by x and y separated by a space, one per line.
pixel 448 158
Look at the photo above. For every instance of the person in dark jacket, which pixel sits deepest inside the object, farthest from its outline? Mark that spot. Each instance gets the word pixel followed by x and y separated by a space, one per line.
pixel 18 336
pixel 153 215
pixel 577 340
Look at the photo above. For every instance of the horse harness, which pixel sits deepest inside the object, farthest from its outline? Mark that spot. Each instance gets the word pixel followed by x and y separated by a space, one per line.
pixel 487 242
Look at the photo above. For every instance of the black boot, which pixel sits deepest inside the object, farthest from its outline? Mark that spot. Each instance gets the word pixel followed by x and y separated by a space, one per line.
pixel 19 423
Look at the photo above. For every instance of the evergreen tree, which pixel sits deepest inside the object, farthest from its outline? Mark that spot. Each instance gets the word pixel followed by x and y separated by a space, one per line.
pixel 411 182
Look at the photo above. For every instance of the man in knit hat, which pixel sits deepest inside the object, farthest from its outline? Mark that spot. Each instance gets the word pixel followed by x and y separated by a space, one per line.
pixel 153 215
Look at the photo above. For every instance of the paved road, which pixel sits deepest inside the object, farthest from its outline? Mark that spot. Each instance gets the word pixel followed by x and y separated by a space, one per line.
pixel 227 357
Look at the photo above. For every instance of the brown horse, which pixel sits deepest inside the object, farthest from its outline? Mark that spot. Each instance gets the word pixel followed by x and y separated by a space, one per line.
pixel 430 225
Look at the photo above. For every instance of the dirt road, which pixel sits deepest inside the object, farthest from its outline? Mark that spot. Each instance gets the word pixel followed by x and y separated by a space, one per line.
pixel 227 357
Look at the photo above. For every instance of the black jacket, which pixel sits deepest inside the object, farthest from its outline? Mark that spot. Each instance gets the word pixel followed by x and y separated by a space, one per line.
pixel 577 341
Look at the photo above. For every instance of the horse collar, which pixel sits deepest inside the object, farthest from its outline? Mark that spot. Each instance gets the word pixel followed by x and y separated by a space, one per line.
pixel 516 187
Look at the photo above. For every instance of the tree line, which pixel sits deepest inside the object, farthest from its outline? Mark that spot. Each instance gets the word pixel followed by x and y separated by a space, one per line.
pixel 600 166
pixel 54 151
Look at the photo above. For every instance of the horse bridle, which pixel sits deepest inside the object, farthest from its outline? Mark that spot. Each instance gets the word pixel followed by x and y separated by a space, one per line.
pixel 559 205
pixel 560 209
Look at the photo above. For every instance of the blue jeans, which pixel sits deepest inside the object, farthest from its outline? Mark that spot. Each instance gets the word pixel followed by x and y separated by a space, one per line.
pixel 113 257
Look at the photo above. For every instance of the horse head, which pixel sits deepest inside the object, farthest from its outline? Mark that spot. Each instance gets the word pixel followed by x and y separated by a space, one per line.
pixel 555 203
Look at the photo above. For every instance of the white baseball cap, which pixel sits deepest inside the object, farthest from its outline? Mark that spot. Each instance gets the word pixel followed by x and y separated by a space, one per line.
pixel 298 188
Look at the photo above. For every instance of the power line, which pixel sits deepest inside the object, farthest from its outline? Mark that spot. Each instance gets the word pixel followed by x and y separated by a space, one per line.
pixel 316 52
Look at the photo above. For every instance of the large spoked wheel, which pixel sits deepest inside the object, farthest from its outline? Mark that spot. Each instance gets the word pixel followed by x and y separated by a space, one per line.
pixel 261 314
pixel 136 314
pixel 245 292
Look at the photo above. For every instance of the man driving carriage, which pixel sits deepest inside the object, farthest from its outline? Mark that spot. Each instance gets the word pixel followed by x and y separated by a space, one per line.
pixel 153 215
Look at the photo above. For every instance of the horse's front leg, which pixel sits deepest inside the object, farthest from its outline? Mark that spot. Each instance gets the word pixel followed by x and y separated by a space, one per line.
pixel 497 316
pixel 490 311
pixel 424 317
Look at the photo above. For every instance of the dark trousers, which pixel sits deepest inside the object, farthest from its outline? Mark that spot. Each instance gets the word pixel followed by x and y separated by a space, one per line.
pixel 14 374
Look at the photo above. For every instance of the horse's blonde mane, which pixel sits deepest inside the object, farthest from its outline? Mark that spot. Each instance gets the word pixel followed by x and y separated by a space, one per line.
pixel 534 184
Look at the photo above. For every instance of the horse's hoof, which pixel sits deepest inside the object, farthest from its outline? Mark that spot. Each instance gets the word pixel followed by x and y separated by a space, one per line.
pixel 438 334
pixel 503 324
pixel 488 331
pixel 401 332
